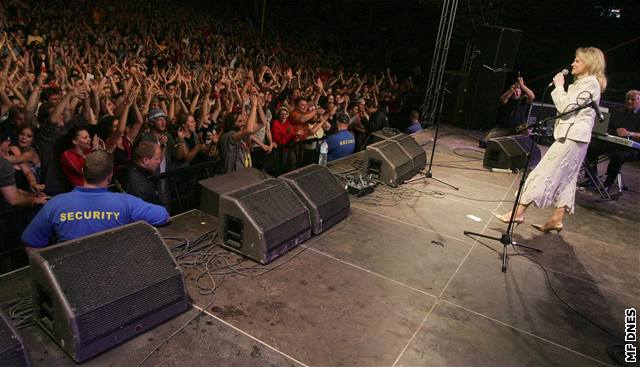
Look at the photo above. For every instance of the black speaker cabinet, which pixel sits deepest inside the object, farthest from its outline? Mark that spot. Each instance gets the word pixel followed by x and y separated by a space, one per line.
pixel 510 152
pixel 215 186
pixel 381 135
pixel 322 193
pixel 12 351
pixel 95 292
pixel 483 99
pixel 263 221
pixel 454 104
pixel 387 162
pixel 409 145
pixel 498 46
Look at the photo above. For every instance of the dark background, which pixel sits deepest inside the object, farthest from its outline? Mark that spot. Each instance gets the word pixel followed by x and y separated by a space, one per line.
pixel 375 34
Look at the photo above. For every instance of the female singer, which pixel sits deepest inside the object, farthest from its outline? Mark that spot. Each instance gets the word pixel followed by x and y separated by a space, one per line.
pixel 553 181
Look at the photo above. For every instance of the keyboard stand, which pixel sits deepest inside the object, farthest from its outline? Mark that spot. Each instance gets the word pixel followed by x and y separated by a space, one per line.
pixel 604 194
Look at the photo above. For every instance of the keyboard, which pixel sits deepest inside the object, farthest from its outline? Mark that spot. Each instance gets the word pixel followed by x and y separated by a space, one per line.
pixel 618 140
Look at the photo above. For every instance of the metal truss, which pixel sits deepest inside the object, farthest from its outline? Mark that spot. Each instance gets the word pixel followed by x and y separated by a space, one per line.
pixel 432 96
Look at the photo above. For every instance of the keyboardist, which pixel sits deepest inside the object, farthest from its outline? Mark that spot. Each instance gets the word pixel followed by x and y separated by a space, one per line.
pixel 624 123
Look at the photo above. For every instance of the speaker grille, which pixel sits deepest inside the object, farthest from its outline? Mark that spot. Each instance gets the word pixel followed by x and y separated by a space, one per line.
pixel 415 151
pixel 510 152
pixel 387 162
pixel 86 288
pixel 129 309
pixel 274 208
pixel 102 295
pixel 319 185
pixel 324 196
pixel 215 186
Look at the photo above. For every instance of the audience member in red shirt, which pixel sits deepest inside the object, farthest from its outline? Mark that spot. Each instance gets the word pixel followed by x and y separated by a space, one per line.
pixel 283 133
pixel 72 159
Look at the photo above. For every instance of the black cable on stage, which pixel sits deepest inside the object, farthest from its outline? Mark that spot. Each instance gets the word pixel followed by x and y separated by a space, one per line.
pixel 205 258
pixel 20 311
pixel 553 290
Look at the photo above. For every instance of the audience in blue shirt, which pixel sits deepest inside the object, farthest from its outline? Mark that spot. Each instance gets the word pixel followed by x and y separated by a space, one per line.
pixel 342 143
pixel 91 208
pixel 414 123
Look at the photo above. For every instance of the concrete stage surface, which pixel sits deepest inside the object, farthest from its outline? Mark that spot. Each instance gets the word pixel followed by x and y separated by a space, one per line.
pixel 397 283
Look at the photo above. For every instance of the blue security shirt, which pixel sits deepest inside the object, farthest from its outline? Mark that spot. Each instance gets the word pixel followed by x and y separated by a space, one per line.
pixel 341 144
pixel 85 211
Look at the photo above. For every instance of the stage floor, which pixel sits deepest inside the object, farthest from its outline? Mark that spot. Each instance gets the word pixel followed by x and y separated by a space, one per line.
pixel 397 283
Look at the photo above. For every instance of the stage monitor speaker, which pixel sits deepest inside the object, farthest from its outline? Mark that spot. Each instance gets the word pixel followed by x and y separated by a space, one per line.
pixel 387 162
pixel 12 350
pixel 483 99
pixel 322 193
pixel 498 46
pixel 383 134
pixel 409 145
pixel 510 152
pixel 263 221
pixel 215 186
pixel 95 292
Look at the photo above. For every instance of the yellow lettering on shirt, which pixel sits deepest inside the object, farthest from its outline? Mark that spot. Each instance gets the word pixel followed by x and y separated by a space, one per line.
pixel 89 215
pixel 347 142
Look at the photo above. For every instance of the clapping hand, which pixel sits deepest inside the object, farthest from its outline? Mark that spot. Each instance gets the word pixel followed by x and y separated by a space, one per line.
pixel 97 143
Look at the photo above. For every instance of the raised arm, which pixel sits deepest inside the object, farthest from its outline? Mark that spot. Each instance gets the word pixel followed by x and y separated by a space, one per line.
pixel 251 126
pixel 528 92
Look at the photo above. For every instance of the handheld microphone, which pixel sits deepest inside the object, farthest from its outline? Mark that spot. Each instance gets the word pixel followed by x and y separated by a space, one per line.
pixel 599 114
pixel 564 72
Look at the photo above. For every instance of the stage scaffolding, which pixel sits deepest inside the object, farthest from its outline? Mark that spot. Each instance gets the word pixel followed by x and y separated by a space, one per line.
pixel 438 63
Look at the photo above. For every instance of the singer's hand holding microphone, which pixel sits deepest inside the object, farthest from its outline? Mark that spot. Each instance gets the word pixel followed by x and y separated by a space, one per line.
pixel 558 80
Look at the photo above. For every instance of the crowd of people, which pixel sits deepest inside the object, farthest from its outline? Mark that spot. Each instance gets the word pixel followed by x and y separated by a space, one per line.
pixel 165 87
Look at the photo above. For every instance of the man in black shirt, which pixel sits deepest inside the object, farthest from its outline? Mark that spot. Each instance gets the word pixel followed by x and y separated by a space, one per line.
pixel 146 160
pixel 512 115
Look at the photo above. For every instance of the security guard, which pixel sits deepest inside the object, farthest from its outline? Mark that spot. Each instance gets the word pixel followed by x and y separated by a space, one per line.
pixel 90 208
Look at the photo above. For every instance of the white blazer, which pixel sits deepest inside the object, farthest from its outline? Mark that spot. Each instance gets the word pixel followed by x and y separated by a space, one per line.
pixel 576 126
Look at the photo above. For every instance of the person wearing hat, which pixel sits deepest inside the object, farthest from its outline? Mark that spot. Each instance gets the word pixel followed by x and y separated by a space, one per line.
pixel 158 134
pixel 157 122
pixel 343 142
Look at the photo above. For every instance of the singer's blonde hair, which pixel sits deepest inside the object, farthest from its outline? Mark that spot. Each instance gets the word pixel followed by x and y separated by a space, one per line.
pixel 593 59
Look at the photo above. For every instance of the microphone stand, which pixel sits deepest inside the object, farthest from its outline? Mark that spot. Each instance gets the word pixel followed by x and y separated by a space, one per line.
pixel 506 239
pixel 428 173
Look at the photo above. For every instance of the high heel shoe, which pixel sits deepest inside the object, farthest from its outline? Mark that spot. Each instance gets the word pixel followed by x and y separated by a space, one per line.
pixel 505 219
pixel 544 228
